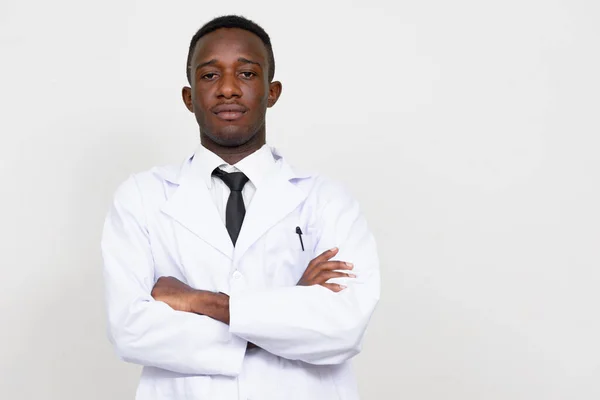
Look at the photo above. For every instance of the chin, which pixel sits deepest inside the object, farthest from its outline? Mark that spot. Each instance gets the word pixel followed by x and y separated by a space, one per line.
pixel 230 137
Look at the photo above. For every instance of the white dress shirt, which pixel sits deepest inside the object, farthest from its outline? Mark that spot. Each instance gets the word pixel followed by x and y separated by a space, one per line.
pixel 256 167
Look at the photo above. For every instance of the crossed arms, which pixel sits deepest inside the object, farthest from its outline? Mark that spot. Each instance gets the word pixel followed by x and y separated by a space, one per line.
pixel 172 326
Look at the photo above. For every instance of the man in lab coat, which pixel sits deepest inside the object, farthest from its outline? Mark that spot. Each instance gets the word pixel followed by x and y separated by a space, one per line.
pixel 235 276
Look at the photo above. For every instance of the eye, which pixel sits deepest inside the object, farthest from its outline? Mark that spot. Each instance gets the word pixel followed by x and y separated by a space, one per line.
pixel 247 74
pixel 209 77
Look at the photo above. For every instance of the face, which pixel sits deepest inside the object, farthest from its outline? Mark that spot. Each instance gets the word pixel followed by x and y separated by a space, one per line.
pixel 230 90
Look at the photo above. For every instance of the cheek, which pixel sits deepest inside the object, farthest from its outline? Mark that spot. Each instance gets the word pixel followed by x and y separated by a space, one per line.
pixel 258 93
pixel 200 104
pixel 262 102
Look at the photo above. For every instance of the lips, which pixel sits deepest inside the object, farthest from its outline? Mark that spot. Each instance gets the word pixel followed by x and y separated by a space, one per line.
pixel 229 112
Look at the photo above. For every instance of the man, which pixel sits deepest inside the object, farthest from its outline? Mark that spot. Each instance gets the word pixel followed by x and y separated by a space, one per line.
pixel 234 275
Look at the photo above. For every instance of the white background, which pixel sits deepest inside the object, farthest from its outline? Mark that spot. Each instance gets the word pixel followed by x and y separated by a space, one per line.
pixel 467 129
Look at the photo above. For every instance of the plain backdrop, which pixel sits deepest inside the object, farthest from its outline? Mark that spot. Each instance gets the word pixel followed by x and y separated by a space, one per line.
pixel 468 130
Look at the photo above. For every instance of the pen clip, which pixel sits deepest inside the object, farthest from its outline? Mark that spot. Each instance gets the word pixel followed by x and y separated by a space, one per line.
pixel 299 233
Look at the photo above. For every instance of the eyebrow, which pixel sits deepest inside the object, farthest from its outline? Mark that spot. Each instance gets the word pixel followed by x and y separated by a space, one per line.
pixel 246 61
pixel 204 64
pixel 214 61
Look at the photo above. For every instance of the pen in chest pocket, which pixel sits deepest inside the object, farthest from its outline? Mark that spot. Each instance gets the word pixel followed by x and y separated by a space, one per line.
pixel 299 232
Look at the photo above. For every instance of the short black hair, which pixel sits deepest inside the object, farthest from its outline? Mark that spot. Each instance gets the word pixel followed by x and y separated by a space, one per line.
pixel 231 21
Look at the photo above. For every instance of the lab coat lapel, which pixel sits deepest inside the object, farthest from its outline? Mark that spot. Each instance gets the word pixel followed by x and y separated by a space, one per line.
pixel 273 200
pixel 192 206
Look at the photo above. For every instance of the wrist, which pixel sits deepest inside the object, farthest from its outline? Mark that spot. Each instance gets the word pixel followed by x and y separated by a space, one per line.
pixel 211 304
pixel 220 307
pixel 197 301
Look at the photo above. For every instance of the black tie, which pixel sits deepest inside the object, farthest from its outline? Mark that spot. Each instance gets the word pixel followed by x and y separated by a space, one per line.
pixel 235 211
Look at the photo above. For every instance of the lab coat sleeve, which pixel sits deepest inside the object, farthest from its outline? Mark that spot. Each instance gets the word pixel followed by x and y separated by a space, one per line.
pixel 313 324
pixel 148 332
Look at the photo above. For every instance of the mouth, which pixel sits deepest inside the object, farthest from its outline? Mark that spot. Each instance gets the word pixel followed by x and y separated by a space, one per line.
pixel 229 112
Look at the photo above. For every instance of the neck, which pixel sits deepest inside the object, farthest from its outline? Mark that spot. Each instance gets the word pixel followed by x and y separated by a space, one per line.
pixel 233 154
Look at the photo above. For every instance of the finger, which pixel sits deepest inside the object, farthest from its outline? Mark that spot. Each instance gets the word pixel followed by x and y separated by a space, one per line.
pixel 326 255
pixel 334 287
pixel 330 266
pixel 333 265
pixel 327 275
pixel 323 257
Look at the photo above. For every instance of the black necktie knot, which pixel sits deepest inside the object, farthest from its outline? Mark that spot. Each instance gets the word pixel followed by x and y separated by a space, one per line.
pixel 234 180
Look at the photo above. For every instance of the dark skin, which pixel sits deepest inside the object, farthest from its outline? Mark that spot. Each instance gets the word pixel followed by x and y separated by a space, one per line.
pixel 182 297
pixel 230 67
pixel 229 96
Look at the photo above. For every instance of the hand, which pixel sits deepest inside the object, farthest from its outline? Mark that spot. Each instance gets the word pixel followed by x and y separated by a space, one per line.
pixel 175 293
pixel 320 270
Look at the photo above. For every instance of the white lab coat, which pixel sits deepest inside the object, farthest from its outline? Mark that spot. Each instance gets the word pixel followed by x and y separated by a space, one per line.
pixel 163 223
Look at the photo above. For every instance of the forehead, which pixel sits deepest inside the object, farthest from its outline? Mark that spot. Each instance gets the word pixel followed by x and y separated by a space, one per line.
pixel 229 43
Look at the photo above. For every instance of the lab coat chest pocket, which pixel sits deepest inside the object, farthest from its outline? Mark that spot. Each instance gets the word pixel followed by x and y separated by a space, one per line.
pixel 287 253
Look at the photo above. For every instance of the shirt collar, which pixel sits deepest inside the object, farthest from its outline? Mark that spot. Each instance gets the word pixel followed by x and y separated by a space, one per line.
pixel 256 166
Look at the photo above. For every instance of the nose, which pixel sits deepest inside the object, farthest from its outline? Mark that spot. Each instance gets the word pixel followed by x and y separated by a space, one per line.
pixel 229 87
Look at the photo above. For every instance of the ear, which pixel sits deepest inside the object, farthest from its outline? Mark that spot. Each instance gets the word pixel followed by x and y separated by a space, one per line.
pixel 274 93
pixel 186 94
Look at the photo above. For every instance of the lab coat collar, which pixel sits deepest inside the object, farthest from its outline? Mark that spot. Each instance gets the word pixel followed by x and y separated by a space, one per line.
pixel 257 165
pixel 192 205
pixel 176 176
pixel 204 163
